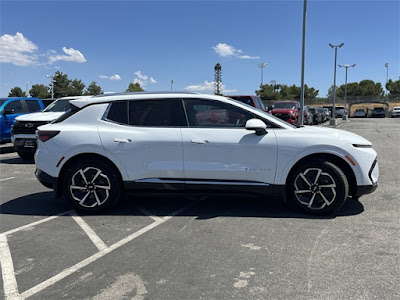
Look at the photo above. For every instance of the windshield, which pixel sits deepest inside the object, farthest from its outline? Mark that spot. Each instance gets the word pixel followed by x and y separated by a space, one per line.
pixel 58 106
pixel 288 105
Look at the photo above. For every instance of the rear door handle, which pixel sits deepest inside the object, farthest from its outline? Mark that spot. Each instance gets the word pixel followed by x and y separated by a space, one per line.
pixel 122 140
pixel 199 141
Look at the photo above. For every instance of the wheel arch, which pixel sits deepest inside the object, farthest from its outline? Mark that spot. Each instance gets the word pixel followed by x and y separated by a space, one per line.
pixel 82 156
pixel 336 160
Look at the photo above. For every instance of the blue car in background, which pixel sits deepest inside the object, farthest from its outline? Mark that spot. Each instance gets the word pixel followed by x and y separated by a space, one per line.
pixel 10 108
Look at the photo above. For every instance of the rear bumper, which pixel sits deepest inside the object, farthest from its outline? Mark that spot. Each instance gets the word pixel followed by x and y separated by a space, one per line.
pixel 45 179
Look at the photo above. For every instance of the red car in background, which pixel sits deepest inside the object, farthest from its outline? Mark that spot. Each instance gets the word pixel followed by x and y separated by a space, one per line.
pixel 288 111
pixel 254 101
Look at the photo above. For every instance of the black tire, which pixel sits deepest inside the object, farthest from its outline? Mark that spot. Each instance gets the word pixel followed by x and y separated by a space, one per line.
pixel 92 185
pixel 26 155
pixel 317 187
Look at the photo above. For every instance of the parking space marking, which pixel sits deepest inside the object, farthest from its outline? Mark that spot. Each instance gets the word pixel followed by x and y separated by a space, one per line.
pixel 9 178
pixel 97 241
pixel 12 287
pixel 7 268
pixel 149 214
pixel 37 222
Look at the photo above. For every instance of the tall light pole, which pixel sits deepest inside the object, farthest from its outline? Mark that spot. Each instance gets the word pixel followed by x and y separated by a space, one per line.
pixel 345 89
pixel 262 66
pixel 333 119
pixel 172 82
pixel 51 85
pixel 387 76
pixel 303 52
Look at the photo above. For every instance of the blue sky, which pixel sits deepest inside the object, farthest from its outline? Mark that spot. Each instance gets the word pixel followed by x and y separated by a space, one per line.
pixel 154 42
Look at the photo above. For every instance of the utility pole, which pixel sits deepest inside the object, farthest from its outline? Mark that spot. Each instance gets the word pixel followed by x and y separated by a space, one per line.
pixel 333 120
pixel 303 52
pixel 345 89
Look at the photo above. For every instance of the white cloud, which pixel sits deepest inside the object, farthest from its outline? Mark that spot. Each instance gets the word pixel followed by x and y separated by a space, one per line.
pixel 114 77
pixel 71 55
pixel 143 80
pixel 17 50
pixel 206 87
pixel 225 50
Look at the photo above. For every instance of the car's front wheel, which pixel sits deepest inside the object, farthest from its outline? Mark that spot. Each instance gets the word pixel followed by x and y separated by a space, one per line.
pixel 318 187
pixel 92 186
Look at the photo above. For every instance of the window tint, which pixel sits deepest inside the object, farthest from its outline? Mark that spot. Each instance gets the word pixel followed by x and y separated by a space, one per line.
pixel 33 105
pixel 150 113
pixel 244 99
pixel 261 104
pixel 207 113
pixel 15 106
pixel 118 112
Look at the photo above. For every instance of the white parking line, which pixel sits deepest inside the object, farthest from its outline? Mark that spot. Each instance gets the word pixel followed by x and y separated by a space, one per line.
pixel 9 178
pixel 89 231
pixel 149 214
pixel 7 268
pixel 41 286
pixel 36 223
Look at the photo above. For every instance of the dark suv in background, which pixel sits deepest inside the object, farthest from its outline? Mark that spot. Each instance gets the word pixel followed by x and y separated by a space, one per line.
pixel 254 101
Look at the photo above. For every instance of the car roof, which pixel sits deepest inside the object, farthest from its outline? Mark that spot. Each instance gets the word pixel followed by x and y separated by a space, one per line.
pixel 142 96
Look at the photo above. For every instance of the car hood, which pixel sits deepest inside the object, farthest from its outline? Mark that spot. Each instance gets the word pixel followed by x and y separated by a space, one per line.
pixel 326 134
pixel 40 116
pixel 282 111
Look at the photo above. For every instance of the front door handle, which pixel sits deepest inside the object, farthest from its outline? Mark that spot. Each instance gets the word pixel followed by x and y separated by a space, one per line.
pixel 122 140
pixel 199 141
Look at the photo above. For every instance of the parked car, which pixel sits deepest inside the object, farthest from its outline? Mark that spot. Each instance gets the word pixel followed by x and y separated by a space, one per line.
pixel 317 117
pixel 324 116
pixel 378 112
pixel 155 141
pixel 340 111
pixel 395 112
pixel 254 101
pixel 360 113
pixel 23 131
pixel 288 111
pixel 308 116
pixel 13 107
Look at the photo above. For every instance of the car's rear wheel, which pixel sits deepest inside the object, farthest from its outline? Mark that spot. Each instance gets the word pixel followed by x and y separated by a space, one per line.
pixel 318 187
pixel 92 186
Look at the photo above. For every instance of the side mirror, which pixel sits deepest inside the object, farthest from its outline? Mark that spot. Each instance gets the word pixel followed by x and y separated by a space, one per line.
pixel 257 125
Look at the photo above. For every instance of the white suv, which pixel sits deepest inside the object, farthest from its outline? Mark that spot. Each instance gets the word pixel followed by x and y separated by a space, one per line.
pixel 194 142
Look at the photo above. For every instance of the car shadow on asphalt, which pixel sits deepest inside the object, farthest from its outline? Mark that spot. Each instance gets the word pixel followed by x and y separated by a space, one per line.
pixel 17 161
pixel 204 207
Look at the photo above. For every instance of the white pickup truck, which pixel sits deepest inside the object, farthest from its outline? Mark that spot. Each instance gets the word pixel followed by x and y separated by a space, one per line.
pixel 23 133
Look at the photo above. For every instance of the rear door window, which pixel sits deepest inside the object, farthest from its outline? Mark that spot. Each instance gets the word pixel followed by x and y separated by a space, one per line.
pixel 33 105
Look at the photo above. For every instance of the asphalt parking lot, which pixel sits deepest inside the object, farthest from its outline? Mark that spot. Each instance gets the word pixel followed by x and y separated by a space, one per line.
pixel 187 247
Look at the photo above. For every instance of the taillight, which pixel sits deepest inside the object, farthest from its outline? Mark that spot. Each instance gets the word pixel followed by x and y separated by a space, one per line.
pixel 45 135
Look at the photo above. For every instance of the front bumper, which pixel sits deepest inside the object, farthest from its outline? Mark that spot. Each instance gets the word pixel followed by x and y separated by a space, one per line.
pixel 25 145
pixel 45 179
pixel 366 189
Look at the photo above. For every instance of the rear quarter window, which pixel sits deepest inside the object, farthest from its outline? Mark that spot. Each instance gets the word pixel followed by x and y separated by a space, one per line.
pixel 33 105
pixel 118 112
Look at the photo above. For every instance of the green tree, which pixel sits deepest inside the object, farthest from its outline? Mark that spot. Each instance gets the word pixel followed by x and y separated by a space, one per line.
pixel 62 85
pixel 393 87
pixel 77 87
pixel 39 91
pixel 134 87
pixel 93 89
pixel 329 95
pixel 268 92
pixel 16 92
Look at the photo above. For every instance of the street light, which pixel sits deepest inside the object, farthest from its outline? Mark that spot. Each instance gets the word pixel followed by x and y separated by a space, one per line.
pixel 262 66
pixel 333 119
pixel 52 85
pixel 345 88
pixel 172 82
pixel 387 76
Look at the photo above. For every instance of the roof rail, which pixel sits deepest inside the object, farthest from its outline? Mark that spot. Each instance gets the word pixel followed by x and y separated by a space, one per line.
pixel 145 93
